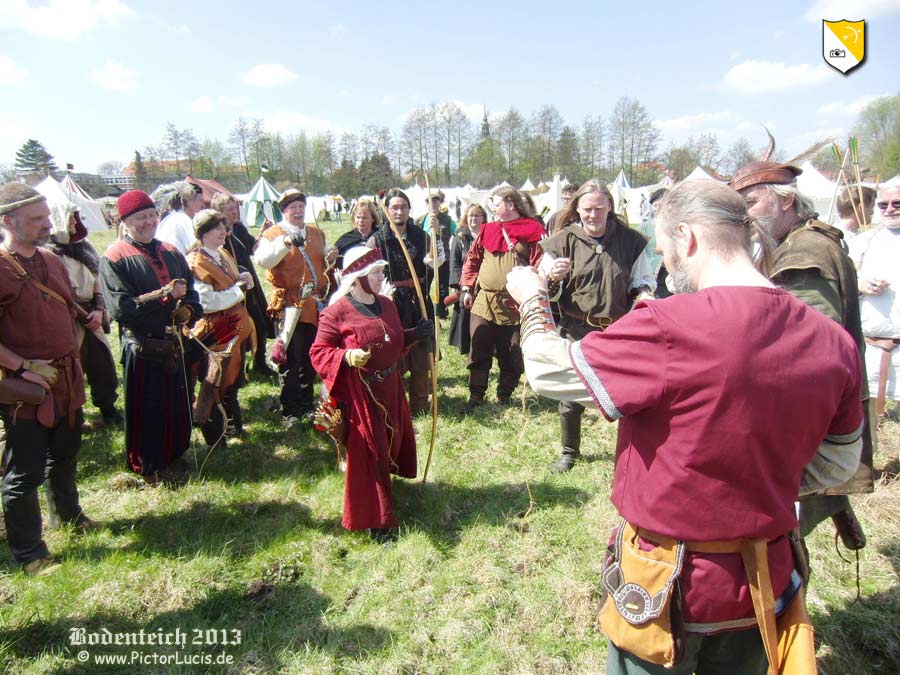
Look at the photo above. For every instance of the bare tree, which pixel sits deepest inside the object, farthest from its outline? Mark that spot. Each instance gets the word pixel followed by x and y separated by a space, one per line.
pixel 739 154
pixel 215 152
pixel 511 133
pixel 110 168
pixel 172 145
pixel 547 124
pixel 241 139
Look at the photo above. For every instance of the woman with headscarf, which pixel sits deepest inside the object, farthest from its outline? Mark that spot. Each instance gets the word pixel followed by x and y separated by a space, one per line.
pixel 221 285
pixel 357 353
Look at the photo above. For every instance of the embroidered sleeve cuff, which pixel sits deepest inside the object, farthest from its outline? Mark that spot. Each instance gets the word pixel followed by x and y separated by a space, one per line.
pixel 593 383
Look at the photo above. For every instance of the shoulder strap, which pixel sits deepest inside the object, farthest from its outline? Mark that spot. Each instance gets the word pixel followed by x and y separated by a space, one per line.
pixel 23 274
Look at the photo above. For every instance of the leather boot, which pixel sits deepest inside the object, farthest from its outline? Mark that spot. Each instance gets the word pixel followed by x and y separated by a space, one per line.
pixel 235 426
pixel 478 382
pixel 418 393
pixel 570 427
pixel 506 385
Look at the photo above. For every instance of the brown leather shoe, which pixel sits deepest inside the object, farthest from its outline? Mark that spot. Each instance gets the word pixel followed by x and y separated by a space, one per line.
pixel 85 524
pixel 41 567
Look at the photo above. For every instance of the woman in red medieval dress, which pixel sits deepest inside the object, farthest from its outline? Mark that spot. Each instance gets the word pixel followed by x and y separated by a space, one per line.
pixel 358 346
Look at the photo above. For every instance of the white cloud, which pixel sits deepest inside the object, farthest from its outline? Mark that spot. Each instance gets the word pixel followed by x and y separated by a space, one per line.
pixel 208 103
pixel 268 75
pixel 838 108
pixel 388 99
pixel 735 55
pixel 756 77
pixel 61 19
pixel 114 76
pixel 10 73
pixel 291 122
pixel 338 29
pixel 835 10
pixel 778 34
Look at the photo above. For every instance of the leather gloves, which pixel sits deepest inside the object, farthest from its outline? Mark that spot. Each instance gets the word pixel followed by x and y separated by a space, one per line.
pixel 357 357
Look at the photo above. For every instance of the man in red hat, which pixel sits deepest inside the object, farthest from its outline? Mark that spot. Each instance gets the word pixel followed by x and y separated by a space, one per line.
pixel 810 261
pixel 39 346
pixel 149 290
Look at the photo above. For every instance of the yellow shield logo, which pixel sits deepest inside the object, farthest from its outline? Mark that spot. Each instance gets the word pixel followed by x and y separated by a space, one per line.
pixel 844 44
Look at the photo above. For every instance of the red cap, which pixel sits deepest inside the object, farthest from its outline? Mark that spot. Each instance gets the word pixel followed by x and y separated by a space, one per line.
pixel 132 202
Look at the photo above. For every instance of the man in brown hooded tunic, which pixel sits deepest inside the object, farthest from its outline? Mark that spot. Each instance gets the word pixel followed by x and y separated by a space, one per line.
pixel 811 262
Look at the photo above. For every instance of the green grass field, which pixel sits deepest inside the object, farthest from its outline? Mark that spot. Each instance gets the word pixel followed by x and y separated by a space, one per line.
pixel 496 569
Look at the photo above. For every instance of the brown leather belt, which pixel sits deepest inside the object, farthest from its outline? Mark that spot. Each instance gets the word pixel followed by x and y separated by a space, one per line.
pixel 380 375
pixel 755 556
pixel 886 345
pixel 602 322
pixel 407 283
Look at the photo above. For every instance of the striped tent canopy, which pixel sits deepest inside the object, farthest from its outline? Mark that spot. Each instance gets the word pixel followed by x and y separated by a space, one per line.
pixel 261 204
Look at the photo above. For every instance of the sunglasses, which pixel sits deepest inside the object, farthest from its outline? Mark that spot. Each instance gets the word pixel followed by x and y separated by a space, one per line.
pixel 894 203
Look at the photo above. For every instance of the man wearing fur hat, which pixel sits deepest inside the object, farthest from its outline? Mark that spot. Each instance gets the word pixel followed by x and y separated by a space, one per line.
pixel 149 290
pixel 69 241
pixel 293 252
pixel 810 261
pixel 39 346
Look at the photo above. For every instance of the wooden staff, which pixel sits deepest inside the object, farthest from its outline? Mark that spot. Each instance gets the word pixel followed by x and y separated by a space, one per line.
pixel 424 312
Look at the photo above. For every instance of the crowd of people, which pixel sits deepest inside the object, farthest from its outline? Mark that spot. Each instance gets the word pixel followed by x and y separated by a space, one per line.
pixel 745 392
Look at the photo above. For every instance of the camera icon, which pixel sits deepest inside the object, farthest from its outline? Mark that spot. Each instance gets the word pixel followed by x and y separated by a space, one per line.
pixel 837 53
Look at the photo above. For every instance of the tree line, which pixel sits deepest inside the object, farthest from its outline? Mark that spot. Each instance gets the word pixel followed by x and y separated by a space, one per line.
pixel 442 140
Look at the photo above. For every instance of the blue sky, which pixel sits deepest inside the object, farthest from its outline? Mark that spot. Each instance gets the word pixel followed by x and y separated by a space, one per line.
pixel 95 79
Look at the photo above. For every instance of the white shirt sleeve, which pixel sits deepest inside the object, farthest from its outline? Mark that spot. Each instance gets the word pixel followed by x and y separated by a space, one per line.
pixel 549 369
pixel 216 301
pixel 835 462
pixel 270 252
pixel 642 273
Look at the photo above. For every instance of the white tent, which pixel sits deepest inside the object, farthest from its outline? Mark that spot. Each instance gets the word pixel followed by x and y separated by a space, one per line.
pixel 91 212
pixel 812 184
pixel 621 180
pixel 59 204
pixel 699 174
pixel 62 197
pixel 527 185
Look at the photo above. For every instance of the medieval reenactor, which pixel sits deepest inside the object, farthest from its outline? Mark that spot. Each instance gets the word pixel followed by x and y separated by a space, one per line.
pixel 150 292
pixel 42 390
pixel 509 241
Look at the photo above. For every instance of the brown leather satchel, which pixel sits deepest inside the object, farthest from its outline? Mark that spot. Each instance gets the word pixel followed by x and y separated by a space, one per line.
pixel 18 391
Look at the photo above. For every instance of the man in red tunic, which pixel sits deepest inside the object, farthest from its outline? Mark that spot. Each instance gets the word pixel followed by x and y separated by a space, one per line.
pixel 38 345
pixel 357 353
pixel 724 394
